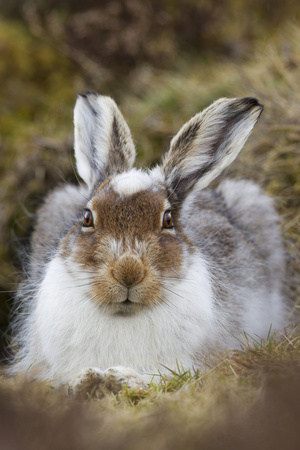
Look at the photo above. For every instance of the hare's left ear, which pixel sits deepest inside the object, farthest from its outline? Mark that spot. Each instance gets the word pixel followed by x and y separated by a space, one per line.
pixel 208 143
pixel 103 143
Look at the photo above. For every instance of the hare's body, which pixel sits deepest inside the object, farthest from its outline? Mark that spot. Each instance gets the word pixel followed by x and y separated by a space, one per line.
pixel 126 288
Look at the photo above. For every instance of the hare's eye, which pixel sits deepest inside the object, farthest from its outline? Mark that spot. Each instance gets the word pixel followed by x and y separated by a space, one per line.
pixel 167 220
pixel 88 220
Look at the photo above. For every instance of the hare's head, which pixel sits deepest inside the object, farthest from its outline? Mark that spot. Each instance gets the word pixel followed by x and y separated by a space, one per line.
pixel 129 239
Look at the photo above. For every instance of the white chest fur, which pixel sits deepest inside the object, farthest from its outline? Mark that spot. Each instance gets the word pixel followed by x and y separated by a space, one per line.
pixel 70 332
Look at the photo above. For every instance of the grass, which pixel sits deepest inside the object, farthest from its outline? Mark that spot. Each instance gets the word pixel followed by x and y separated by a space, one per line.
pixel 211 408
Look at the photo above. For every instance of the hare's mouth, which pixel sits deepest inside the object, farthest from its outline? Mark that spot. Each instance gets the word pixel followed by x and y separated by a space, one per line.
pixel 127 302
pixel 127 307
pixel 117 299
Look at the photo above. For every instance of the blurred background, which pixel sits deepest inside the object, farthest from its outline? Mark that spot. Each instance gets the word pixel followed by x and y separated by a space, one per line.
pixel 162 61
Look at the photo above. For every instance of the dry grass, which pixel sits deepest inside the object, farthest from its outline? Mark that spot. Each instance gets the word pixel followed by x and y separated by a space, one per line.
pixel 238 403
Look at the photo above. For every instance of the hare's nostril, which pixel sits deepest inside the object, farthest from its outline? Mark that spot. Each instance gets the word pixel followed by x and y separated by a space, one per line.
pixel 129 271
pixel 128 279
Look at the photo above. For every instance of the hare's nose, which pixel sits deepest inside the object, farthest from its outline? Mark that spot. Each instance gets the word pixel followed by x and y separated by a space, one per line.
pixel 129 271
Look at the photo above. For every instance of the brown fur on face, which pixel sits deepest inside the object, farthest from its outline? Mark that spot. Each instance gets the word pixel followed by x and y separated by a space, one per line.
pixel 127 252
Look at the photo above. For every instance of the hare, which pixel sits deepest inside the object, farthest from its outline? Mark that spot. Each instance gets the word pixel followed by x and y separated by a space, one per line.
pixel 138 271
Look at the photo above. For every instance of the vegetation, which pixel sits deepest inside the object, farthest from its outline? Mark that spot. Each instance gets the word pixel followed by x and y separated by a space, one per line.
pixel 163 62
pixel 248 399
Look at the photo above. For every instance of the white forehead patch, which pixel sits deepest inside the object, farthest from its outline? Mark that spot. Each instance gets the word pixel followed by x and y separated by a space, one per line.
pixel 131 182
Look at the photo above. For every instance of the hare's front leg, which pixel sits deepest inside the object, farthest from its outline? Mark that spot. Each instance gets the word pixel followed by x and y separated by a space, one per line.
pixel 96 383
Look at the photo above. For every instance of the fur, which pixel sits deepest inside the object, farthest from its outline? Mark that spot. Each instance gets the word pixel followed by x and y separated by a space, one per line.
pixel 100 125
pixel 128 297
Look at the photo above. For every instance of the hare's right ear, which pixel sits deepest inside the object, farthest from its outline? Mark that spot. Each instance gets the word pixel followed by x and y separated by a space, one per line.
pixel 103 143
pixel 207 144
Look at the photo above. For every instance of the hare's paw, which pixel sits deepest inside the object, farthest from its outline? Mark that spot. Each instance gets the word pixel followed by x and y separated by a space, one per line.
pixel 123 375
pixel 88 383
pixel 96 383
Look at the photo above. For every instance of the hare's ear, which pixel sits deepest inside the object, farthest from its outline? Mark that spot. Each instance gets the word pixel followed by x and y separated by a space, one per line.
pixel 208 143
pixel 103 143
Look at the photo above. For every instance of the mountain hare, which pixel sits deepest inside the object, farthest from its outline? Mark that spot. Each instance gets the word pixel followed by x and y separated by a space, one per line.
pixel 138 271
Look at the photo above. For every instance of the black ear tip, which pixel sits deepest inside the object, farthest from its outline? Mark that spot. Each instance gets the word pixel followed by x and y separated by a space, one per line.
pixel 88 93
pixel 251 102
